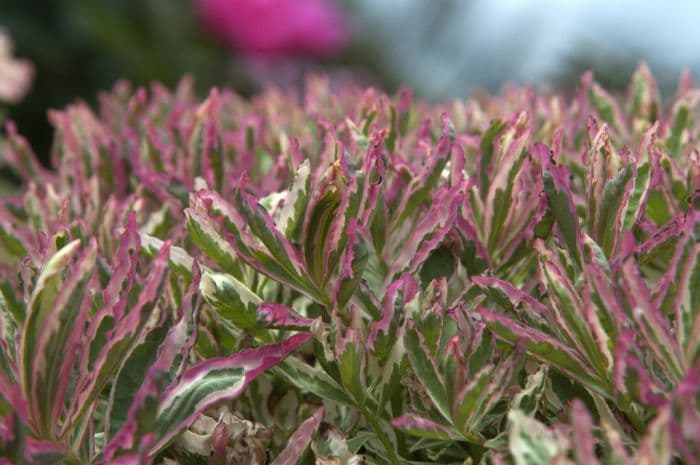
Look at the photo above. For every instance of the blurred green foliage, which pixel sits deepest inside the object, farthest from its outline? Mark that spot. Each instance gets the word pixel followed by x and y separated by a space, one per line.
pixel 80 47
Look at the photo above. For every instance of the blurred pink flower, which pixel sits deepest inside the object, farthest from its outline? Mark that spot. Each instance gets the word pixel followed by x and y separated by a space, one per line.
pixel 15 75
pixel 277 27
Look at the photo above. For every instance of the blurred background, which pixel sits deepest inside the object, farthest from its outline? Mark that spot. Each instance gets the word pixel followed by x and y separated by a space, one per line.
pixel 63 50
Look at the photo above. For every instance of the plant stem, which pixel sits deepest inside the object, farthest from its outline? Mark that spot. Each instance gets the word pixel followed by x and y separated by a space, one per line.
pixel 393 458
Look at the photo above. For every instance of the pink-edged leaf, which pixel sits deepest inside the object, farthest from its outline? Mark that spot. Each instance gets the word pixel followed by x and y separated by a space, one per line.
pixel 212 381
pixel 654 328
pixel 52 333
pixel 133 429
pixel 40 451
pixel 656 447
pixel 441 223
pixel 632 379
pixel 425 368
pixel 282 265
pixel 584 440
pixel 203 233
pixel 21 158
pixel 473 253
pixel 167 348
pixel 299 440
pixel 510 166
pixel 601 163
pixel 600 289
pixel 314 380
pixel 329 193
pixel 116 294
pixel 660 238
pixel 681 119
pixel 353 263
pixel 612 208
pixel 204 148
pixel 12 398
pixel 424 183
pixel 429 231
pixel 646 159
pixel 383 333
pixel 263 226
pixel 608 109
pixel 685 425
pixel 483 391
pixel 295 202
pixel 59 341
pixel 357 202
pixel 561 203
pixel 423 427
pixel 232 300
pixel 128 332
pixel 531 442
pixel 678 291
pixel 486 155
pixel 45 290
pixel 687 306
pixel 546 349
pixel 578 324
pixel 351 359
pixel 371 188
pixel 644 101
pixel 279 316
pixel 454 368
pixel 512 298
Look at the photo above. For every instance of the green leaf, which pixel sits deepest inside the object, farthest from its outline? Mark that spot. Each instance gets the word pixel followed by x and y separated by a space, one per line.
pixel 292 214
pixel 642 180
pixel 562 207
pixel 212 381
pixel 424 428
pixel 351 364
pixel 681 121
pixel 231 299
pixel 299 440
pixel 575 323
pixel 529 441
pixel 130 378
pixel 12 245
pixel 487 146
pixel 53 331
pixel 545 349
pixel 612 210
pixel 316 234
pixel 527 400
pixel 441 263
pixel 312 380
pixel 210 242
pixel 425 369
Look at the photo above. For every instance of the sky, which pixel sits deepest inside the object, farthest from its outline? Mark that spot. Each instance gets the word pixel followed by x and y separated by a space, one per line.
pixel 439 45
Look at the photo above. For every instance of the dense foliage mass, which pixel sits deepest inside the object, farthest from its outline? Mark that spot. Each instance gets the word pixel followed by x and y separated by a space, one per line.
pixel 348 278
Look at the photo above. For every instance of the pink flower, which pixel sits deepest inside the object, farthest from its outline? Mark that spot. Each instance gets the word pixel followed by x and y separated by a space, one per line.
pixel 15 75
pixel 277 27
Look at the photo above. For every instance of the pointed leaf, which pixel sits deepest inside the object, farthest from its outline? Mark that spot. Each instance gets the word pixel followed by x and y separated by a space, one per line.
pixel 232 300
pixel 424 428
pixel 212 381
pixel 299 440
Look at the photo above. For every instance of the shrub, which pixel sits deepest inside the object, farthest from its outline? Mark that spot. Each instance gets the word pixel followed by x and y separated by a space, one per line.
pixel 509 280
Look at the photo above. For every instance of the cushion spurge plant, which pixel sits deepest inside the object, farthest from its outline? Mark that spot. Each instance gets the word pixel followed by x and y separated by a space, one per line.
pixel 348 277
